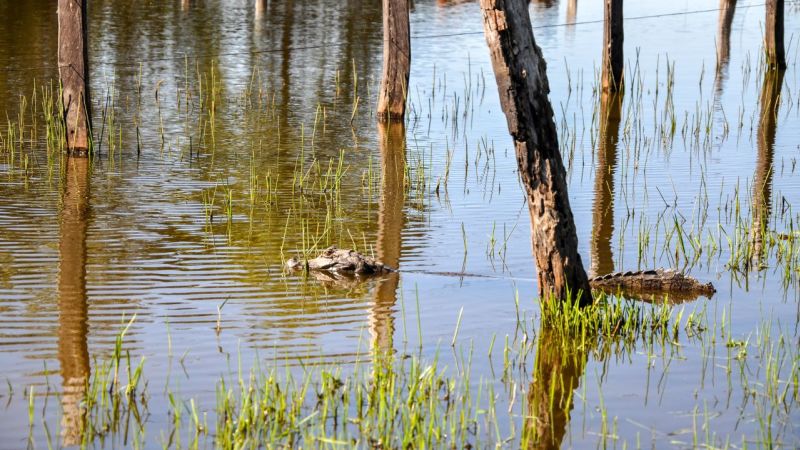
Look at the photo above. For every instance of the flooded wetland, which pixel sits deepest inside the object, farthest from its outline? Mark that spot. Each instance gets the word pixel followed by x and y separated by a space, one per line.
pixel 144 296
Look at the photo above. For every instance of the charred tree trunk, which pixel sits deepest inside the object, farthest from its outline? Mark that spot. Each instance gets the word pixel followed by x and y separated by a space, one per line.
pixel 73 310
pixel 603 210
pixel 613 36
pixel 72 68
pixel 396 61
pixel 521 76
pixel 773 39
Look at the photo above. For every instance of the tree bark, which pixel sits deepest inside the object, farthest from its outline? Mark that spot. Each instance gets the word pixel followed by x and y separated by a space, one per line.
pixel 396 61
pixel 72 68
pixel 773 39
pixel 613 36
pixel 521 76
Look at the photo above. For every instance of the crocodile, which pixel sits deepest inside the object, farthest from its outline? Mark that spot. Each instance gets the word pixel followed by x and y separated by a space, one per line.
pixel 350 266
pixel 341 263
pixel 652 284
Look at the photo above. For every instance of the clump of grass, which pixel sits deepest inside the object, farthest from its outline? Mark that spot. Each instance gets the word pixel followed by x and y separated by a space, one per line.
pixel 606 318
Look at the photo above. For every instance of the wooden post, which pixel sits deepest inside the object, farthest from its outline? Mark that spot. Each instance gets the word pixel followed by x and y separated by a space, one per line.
pixel 603 209
pixel 73 310
pixel 773 39
pixel 72 68
pixel 392 142
pixel 396 61
pixel 613 36
pixel 521 76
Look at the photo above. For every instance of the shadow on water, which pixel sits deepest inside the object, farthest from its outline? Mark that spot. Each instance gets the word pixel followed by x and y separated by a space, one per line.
pixel 73 350
pixel 392 142
pixel 762 179
pixel 603 209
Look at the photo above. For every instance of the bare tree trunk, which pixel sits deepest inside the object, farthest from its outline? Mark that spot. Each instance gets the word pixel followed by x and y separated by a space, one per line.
pixel 613 36
pixel 773 38
pixel 603 210
pixel 521 76
pixel 392 141
pixel 72 68
pixel 73 311
pixel 396 61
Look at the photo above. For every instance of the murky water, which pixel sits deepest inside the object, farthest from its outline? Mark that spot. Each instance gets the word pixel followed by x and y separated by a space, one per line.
pixel 233 137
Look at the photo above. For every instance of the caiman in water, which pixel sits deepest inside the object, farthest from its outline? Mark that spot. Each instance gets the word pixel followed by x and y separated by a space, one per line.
pixel 341 262
pixel 650 284
pixel 335 264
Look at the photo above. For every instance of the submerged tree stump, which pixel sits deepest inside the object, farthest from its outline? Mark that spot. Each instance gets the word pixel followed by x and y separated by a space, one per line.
pixel 773 37
pixel 72 69
pixel 396 61
pixel 613 36
pixel 521 76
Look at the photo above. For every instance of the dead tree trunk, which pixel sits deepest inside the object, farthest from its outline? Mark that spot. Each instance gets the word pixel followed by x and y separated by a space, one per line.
pixel 613 70
pixel 773 38
pixel 521 76
pixel 396 61
pixel 72 69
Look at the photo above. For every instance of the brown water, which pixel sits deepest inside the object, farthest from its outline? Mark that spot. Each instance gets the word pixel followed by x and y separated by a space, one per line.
pixel 211 112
